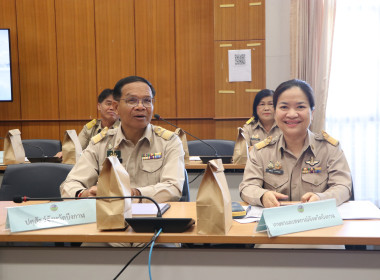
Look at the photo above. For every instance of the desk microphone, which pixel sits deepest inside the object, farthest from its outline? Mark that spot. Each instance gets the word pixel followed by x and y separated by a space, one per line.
pixel 141 224
pixel 157 116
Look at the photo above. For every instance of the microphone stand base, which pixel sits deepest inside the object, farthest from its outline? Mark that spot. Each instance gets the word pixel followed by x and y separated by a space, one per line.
pixel 153 224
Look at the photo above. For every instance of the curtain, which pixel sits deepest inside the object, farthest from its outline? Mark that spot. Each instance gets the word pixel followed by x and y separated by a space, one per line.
pixel 312 29
pixel 353 111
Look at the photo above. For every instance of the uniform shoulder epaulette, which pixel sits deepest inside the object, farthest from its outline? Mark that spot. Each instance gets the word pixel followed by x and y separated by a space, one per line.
pixel 264 143
pixel 250 120
pixel 329 139
pixel 164 133
pixel 91 124
pixel 116 124
pixel 98 137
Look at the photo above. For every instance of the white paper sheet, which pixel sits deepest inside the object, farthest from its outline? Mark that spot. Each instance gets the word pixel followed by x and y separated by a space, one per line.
pixel 239 65
pixel 359 210
pixel 253 214
pixel 194 158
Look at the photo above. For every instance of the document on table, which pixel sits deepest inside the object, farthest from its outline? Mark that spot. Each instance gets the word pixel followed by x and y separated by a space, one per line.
pixel 359 210
pixel 351 210
pixel 148 209
pixel 253 214
pixel 194 158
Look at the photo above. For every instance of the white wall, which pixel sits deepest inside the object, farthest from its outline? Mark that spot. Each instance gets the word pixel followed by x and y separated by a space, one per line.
pixel 277 24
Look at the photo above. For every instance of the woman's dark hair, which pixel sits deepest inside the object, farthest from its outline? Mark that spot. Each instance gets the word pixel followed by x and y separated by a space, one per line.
pixel 305 87
pixel 260 95
pixel 128 80
pixel 104 94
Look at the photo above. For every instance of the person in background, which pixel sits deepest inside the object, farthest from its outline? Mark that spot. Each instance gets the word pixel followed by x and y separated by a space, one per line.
pixel 299 165
pixel 160 177
pixel 108 118
pixel 262 123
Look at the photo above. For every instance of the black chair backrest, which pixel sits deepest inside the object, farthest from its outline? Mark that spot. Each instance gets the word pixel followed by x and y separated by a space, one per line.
pixel 185 190
pixel 223 147
pixel 36 180
pixel 41 147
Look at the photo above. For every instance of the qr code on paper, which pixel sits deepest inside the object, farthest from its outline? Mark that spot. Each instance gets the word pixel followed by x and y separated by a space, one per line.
pixel 239 59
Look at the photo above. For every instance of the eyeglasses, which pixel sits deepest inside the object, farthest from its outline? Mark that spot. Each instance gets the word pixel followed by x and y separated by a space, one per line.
pixel 147 102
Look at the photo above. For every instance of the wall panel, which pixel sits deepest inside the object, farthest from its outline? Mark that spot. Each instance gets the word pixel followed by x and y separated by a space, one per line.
pixel 37 59
pixel 76 59
pixel 235 99
pixel 11 110
pixel 115 41
pixel 155 51
pixel 239 19
pixel 65 52
pixel 194 58
pixel 227 129
pixel 37 130
pixel 203 129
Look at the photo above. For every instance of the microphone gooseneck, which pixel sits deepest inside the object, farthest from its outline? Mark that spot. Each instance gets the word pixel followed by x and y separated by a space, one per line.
pixel 20 199
pixel 158 117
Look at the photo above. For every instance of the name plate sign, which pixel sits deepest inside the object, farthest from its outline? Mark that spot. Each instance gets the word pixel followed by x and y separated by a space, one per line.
pixel 299 217
pixel 50 215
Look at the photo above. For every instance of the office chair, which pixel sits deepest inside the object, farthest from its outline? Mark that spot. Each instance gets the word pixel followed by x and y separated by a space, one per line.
pixel 35 148
pixel 223 147
pixel 37 180
pixel 185 190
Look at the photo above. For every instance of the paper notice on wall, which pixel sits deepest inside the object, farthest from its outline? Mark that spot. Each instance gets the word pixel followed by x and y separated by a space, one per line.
pixel 239 65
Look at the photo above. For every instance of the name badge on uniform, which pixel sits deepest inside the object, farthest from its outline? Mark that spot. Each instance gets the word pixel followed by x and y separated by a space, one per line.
pixel 274 168
pixel 115 153
pixel 255 138
pixel 151 156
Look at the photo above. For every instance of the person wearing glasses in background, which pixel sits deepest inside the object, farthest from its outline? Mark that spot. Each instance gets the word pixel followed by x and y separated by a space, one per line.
pixel 153 156
pixel 262 123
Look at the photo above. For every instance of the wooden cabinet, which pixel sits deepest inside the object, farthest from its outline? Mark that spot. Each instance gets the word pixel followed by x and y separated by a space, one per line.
pixel 239 19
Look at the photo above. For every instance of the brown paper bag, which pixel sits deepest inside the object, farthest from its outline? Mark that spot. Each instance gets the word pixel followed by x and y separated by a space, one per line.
pixel 113 181
pixel 182 135
pixel 214 212
pixel 241 149
pixel 71 148
pixel 13 149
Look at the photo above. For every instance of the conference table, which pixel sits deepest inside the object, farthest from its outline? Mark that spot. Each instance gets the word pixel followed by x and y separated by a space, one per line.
pixel 233 172
pixel 222 258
